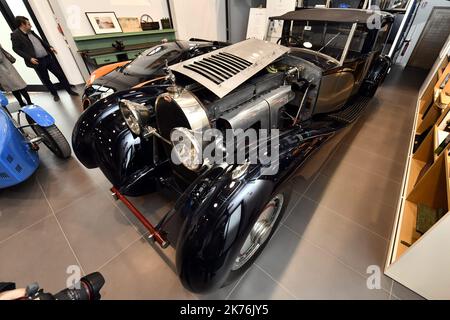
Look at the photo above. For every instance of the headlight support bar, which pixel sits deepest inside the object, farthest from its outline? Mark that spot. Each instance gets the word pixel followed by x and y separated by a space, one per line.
pixel 154 233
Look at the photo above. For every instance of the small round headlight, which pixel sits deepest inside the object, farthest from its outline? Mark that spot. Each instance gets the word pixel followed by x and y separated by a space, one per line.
pixel 136 115
pixel 187 149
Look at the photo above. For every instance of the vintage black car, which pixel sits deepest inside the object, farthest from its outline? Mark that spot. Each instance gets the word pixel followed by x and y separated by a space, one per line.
pixel 147 68
pixel 300 98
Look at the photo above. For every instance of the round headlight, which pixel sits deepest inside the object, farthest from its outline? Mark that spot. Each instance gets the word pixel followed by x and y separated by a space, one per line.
pixel 136 115
pixel 187 149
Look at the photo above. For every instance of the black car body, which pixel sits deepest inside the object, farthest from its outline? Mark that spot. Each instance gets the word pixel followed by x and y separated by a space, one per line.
pixel 227 211
pixel 148 66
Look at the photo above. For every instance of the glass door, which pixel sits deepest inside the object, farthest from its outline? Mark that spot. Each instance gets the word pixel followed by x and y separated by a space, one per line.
pixel 28 74
pixel 18 8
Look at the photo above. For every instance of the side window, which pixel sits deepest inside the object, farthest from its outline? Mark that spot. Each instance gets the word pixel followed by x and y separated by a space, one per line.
pixel 345 4
pixel 382 35
pixel 358 41
pixel 313 3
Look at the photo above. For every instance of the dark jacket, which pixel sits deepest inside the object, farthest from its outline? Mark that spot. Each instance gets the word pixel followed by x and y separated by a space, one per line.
pixel 23 46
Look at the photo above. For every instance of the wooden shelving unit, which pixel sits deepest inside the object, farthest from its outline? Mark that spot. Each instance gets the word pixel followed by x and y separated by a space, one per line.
pixel 421 262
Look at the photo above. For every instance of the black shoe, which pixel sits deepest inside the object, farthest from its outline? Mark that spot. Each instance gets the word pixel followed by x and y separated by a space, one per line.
pixel 56 98
pixel 73 93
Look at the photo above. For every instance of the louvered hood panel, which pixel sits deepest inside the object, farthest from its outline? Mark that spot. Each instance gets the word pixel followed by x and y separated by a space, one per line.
pixel 223 70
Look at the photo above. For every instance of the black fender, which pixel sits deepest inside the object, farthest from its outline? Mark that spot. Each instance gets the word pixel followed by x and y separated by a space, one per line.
pixel 212 219
pixel 380 69
pixel 219 213
pixel 101 139
pixel 376 75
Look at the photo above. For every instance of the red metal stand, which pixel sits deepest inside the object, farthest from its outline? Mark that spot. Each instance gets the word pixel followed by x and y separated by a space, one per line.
pixel 154 233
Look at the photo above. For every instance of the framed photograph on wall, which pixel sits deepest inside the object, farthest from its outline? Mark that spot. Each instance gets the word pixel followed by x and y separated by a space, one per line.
pixel 104 22
pixel 130 24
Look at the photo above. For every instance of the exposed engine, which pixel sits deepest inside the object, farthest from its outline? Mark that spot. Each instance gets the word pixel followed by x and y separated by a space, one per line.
pixel 252 84
pixel 272 99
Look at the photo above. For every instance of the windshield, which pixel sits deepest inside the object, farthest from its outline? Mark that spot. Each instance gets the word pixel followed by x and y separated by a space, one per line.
pixel 326 37
pixel 154 59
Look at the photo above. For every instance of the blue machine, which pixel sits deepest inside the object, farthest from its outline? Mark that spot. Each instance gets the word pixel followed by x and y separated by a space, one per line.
pixel 19 158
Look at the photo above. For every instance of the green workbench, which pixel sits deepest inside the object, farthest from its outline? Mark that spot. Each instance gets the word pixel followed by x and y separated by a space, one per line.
pixel 99 49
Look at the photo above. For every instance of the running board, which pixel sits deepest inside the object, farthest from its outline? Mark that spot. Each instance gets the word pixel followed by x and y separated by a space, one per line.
pixel 351 112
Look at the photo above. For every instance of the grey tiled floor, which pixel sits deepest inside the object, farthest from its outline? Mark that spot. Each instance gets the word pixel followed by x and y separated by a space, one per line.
pixel 339 221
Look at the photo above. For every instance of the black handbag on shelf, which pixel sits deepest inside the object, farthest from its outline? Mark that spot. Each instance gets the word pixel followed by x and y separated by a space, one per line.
pixel 147 23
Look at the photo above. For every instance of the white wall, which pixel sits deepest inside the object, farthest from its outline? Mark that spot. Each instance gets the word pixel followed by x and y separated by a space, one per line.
pixel 189 21
pixel 239 11
pixel 418 25
pixel 199 19
pixel 74 11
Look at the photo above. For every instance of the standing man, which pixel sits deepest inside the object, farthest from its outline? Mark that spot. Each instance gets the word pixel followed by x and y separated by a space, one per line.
pixel 38 55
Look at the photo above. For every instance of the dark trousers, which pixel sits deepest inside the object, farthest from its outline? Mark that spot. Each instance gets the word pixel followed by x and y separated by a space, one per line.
pixel 18 95
pixel 47 64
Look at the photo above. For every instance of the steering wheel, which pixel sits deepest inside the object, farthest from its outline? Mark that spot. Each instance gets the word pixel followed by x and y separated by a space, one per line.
pixel 297 41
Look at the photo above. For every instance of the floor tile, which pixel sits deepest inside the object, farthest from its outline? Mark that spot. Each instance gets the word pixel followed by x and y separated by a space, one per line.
pixel 392 145
pixel 370 162
pixel 295 198
pixel 140 273
pixel 39 254
pixel 64 182
pixel 301 183
pixel 96 229
pixel 401 292
pixel 389 116
pixel 354 203
pixel 349 177
pixel 153 206
pixel 402 97
pixel 257 285
pixel 21 206
pixel 308 272
pixel 350 243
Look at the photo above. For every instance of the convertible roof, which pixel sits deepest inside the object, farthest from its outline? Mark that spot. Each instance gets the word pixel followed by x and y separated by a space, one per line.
pixel 333 15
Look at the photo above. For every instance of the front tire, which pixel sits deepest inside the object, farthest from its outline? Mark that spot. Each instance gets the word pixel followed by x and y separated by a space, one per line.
pixel 53 139
pixel 259 235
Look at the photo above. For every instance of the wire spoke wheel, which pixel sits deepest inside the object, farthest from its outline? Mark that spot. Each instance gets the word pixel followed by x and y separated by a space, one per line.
pixel 53 139
pixel 260 232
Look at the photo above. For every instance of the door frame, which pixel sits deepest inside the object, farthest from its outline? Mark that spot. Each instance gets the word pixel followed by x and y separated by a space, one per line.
pixel 423 32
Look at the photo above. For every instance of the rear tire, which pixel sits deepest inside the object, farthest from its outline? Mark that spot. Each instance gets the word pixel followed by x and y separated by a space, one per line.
pixel 240 267
pixel 369 89
pixel 53 139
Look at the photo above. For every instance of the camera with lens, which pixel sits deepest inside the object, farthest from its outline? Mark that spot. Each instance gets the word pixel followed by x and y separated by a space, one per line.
pixel 88 288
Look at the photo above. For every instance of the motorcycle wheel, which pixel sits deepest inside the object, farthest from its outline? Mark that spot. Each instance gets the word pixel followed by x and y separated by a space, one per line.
pixel 53 139
pixel 259 235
